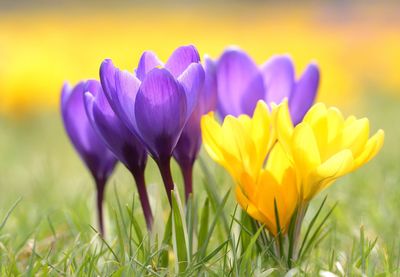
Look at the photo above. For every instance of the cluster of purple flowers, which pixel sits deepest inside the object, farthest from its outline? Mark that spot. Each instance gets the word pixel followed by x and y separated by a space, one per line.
pixel 156 110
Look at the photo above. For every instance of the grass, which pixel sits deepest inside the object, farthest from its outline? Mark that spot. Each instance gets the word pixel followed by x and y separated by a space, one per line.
pixel 47 215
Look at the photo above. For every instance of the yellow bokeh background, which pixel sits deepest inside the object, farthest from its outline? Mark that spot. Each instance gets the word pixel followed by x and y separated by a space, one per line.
pixel 356 47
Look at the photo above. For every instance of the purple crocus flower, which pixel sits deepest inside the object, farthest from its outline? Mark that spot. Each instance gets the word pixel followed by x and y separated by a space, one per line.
pixel 156 101
pixel 189 143
pixel 122 142
pixel 90 147
pixel 241 83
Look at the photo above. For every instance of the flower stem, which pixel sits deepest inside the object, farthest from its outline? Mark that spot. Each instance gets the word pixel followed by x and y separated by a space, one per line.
pixel 138 175
pixel 164 166
pixel 100 185
pixel 187 173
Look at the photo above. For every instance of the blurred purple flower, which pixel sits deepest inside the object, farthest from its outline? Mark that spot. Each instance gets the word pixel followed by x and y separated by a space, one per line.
pixel 156 101
pixel 189 143
pixel 122 142
pixel 90 147
pixel 241 83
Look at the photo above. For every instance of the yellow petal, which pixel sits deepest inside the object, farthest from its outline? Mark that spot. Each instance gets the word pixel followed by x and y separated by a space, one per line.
pixel 320 126
pixel 305 149
pixel 335 167
pixel 245 121
pixel 335 123
pixel 248 183
pixel 285 195
pixel 214 143
pixel 372 147
pixel 211 135
pixel 315 113
pixel 241 145
pixel 248 206
pixel 278 162
pixel 261 133
pixel 229 134
pixel 266 193
pixel 261 128
pixel 289 197
pixel 282 123
pixel 355 135
pixel 350 120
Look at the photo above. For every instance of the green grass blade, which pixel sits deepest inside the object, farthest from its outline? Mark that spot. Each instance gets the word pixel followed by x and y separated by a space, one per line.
pixel 107 245
pixel 203 226
pixel 247 254
pixel 179 233
pixel 166 242
pixel 314 219
pixel 3 223
pixel 279 230
pixel 191 220
pixel 125 228
pixel 120 238
pixel 313 237
pixel 219 211
pixel 210 185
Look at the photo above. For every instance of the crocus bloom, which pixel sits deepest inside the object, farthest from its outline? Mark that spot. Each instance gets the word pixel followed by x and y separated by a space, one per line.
pixel 276 184
pixel 189 143
pixel 241 83
pixel 325 146
pixel 156 101
pixel 122 142
pixel 241 145
pixel 90 147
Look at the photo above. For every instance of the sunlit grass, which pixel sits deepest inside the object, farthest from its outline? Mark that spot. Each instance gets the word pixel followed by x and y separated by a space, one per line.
pixel 50 229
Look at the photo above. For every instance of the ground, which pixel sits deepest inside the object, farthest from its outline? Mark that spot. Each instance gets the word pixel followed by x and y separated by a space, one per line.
pixel 50 230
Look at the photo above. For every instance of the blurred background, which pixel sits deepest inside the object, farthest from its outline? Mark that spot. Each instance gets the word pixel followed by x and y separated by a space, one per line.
pixel 44 43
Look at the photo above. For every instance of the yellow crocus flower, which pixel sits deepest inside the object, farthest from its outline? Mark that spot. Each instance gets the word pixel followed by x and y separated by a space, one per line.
pixel 276 183
pixel 241 145
pixel 325 145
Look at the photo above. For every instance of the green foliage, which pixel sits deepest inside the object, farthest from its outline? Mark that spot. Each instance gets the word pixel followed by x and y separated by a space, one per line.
pixel 47 217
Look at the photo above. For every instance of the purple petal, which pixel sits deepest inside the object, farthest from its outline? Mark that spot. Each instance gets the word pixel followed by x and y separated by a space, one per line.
pixel 122 142
pixel 65 93
pixel 120 88
pixel 278 73
pixel 92 91
pixel 235 72
pixel 181 58
pixel 304 93
pixel 160 111
pixel 94 87
pixel 147 62
pixel 189 143
pixel 254 92
pixel 86 141
pixel 107 79
pixel 208 95
pixel 192 80
pixel 127 86
pixel 72 108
